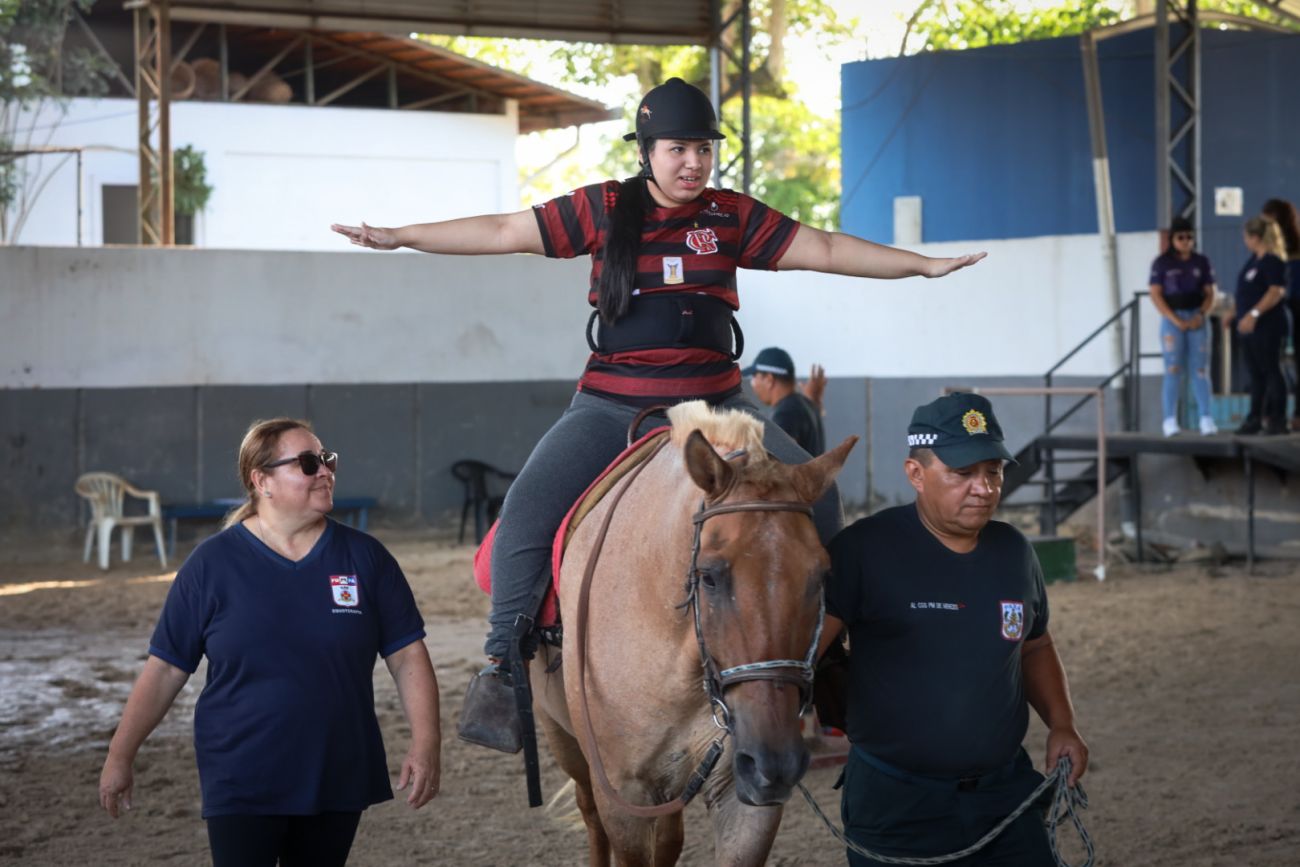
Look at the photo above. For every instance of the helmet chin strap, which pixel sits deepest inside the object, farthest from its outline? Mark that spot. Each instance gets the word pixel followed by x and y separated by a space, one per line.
pixel 647 171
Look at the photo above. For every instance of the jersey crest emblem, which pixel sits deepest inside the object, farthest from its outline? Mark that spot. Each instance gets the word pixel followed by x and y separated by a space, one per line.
pixel 1013 620
pixel 344 588
pixel 974 422
pixel 673 270
pixel 1250 275
pixel 702 241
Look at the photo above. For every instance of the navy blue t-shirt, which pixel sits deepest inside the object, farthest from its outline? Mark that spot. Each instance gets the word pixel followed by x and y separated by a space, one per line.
pixel 1183 282
pixel 1257 275
pixel 798 417
pixel 286 721
pixel 935 639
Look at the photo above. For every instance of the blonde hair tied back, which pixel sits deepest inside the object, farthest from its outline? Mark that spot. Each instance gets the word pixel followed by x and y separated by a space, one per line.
pixel 258 449
pixel 1267 229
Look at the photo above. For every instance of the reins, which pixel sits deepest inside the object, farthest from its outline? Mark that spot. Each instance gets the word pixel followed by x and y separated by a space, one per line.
pixel 799 673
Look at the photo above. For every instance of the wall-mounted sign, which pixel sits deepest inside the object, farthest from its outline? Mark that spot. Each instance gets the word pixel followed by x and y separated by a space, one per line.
pixel 1227 201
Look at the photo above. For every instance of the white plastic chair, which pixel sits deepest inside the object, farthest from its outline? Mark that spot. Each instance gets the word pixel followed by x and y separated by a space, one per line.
pixel 106 493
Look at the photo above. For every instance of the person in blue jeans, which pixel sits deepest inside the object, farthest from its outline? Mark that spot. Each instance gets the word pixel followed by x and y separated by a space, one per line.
pixel 1182 290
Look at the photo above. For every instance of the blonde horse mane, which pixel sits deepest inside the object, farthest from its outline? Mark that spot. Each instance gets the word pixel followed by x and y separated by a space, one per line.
pixel 727 430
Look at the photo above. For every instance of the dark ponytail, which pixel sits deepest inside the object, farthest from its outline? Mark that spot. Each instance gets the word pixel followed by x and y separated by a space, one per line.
pixel 622 249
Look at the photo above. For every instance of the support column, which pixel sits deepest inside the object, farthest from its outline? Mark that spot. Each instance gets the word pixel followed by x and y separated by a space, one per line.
pixel 153 61
pixel 1178 111
pixel 734 68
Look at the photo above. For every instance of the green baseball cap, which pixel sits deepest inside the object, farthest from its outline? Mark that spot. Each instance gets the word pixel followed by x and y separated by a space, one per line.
pixel 960 428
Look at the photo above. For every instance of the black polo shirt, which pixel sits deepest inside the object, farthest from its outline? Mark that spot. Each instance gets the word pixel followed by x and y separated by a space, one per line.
pixel 798 416
pixel 935 639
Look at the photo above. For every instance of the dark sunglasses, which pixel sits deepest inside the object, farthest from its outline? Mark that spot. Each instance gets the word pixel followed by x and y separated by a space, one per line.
pixel 308 462
pixel 1183 236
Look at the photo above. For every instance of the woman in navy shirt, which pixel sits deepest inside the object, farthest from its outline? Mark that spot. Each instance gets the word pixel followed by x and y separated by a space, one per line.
pixel 1263 322
pixel 290 609
pixel 1284 214
pixel 1182 289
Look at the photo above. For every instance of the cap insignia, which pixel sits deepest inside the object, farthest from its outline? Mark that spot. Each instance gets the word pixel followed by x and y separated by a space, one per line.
pixel 974 422
pixel 645 111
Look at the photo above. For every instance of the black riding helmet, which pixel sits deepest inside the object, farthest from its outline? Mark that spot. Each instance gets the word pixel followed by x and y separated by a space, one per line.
pixel 675 109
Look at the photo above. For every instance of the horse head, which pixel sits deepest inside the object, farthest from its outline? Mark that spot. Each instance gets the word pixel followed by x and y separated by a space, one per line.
pixel 756 581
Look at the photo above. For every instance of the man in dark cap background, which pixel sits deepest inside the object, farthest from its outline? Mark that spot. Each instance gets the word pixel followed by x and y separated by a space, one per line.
pixel 947 619
pixel 772 378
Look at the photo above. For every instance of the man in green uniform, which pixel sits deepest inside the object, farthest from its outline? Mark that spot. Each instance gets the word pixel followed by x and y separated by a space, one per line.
pixel 947 620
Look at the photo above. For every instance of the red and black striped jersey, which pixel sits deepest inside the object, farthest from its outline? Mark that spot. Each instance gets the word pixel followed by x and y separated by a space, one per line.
pixel 692 248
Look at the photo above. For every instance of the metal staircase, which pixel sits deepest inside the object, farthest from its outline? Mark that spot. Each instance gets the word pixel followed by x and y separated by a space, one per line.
pixel 1057 474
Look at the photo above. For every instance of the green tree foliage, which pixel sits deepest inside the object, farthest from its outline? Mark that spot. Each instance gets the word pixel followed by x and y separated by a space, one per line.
pixel 37 72
pixel 795 151
pixel 191 187
pixel 941 25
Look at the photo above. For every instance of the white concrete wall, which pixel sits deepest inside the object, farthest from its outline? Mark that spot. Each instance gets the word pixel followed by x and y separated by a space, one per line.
pixel 139 317
pixel 282 174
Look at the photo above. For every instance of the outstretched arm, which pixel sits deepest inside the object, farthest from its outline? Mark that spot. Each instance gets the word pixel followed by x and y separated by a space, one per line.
pixel 838 253
pixel 148 703
pixel 468 236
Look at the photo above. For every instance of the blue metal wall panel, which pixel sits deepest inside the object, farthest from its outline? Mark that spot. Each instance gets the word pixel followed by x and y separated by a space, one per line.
pixel 995 140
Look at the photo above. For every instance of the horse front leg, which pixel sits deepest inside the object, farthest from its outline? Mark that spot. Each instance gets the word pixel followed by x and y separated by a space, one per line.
pixel 641 842
pixel 552 718
pixel 742 835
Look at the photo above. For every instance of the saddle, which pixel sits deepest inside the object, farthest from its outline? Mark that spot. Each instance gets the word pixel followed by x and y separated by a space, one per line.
pixel 548 615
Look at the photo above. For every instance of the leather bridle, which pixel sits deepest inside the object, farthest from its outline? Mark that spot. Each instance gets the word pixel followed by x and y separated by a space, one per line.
pixel 716 682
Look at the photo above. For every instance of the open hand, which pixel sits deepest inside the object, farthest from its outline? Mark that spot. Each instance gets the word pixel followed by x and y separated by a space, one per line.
pixel 422 771
pixel 944 267
pixel 115 783
pixel 369 236
pixel 815 385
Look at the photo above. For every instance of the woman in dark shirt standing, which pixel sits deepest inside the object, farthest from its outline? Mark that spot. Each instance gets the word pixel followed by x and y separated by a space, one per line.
pixel 1182 289
pixel 1263 322
pixel 1284 214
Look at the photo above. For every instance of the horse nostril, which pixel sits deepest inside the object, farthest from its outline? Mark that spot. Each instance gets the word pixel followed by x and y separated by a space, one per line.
pixel 747 768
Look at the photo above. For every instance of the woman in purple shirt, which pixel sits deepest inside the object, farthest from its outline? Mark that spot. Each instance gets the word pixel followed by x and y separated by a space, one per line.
pixel 1182 289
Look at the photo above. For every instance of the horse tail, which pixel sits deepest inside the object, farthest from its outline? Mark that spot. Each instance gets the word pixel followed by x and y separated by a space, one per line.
pixel 563 807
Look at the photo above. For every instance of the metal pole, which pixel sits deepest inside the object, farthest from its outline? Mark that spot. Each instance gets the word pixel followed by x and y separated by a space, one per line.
pixel 1163 198
pixel 80 196
pixel 310 72
pixel 1100 571
pixel 747 174
pixel 1250 512
pixel 223 52
pixel 1101 187
pixel 166 167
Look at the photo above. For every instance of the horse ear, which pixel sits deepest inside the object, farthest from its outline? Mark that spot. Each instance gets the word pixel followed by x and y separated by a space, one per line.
pixel 707 468
pixel 813 478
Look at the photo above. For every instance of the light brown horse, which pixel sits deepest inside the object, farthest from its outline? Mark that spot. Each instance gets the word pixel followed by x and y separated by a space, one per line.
pixel 635 661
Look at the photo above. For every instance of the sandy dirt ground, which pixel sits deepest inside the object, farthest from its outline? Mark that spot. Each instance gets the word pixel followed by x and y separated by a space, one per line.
pixel 1186 682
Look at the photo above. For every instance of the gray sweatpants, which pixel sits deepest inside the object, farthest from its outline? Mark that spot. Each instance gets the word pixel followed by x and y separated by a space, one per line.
pixel 587 437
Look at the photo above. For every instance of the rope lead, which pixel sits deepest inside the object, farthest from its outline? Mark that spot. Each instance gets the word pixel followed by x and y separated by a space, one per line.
pixel 1066 801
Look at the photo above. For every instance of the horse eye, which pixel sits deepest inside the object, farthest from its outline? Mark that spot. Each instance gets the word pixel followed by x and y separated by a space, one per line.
pixel 707 579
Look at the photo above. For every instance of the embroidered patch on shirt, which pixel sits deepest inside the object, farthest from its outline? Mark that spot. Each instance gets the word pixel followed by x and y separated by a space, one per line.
pixel 1013 620
pixel 702 241
pixel 344 588
pixel 673 270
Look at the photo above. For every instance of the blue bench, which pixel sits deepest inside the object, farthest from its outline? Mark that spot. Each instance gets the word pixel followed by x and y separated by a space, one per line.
pixel 357 510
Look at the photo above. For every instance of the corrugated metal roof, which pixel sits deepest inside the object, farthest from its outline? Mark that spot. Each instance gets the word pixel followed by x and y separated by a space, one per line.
pixel 617 21
pixel 540 105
